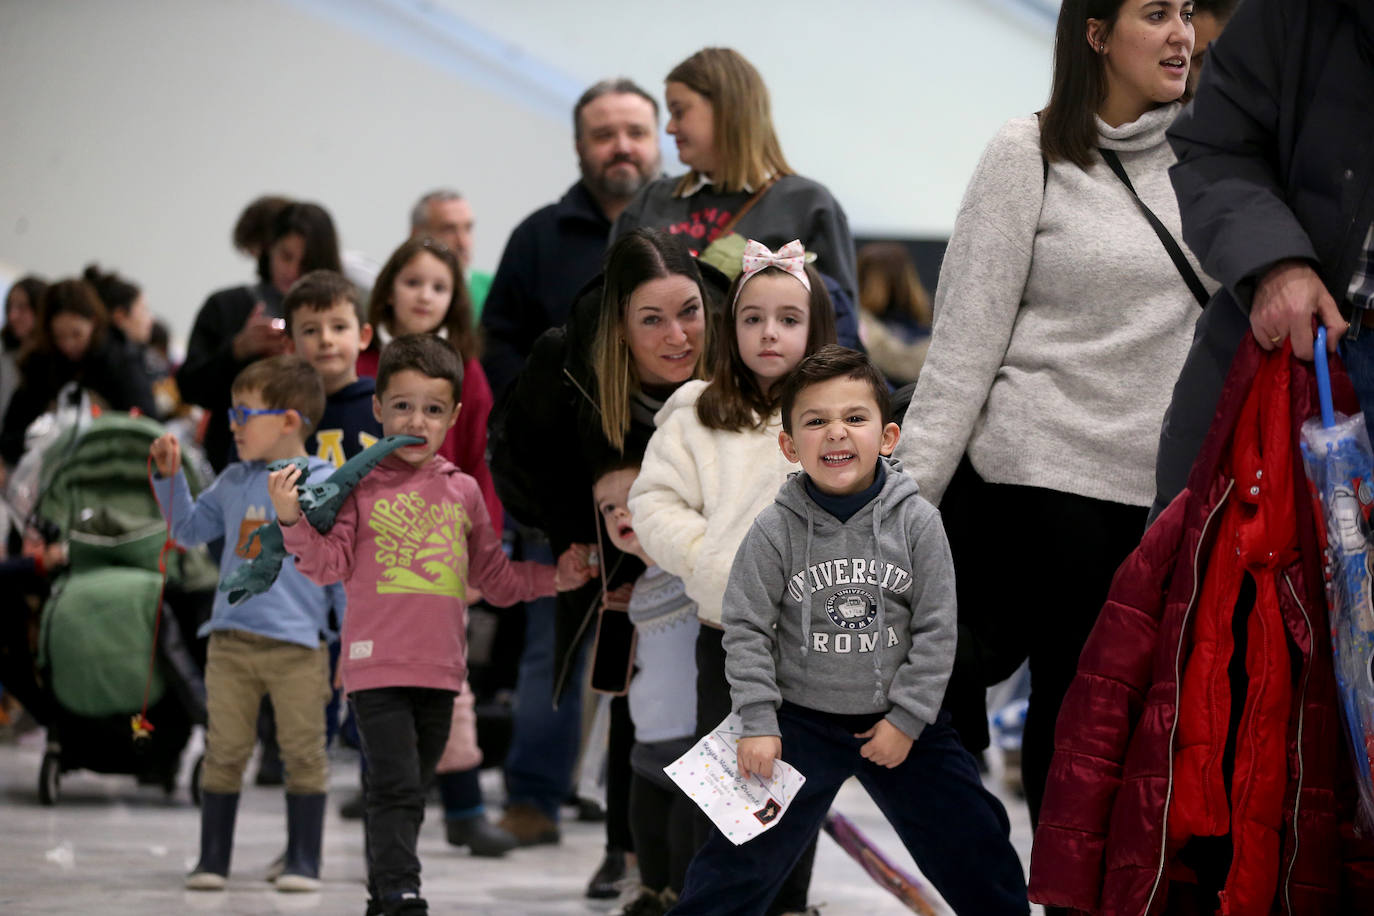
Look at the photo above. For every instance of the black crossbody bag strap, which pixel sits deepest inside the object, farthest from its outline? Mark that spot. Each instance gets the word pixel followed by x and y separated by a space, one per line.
pixel 1185 269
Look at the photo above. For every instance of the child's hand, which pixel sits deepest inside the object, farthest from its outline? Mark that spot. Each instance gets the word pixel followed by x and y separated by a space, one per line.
pixel 281 489
pixel 618 599
pixel 166 452
pixel 47 558
pixel 55 556
pixel 756 755
pixel 887 745
pixel 573 570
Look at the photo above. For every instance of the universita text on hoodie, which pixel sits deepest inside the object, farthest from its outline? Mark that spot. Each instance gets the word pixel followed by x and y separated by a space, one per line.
pixel 846 617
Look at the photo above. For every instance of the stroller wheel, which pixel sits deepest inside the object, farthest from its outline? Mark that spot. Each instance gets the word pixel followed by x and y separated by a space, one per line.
pixel 50 779
pixel 195 780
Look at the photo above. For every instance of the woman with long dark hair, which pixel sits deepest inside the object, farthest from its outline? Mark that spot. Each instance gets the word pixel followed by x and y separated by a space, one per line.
pixel 1061 322
pixel 21 311
pixel 71 342
pixel 586 399
pixel 242 324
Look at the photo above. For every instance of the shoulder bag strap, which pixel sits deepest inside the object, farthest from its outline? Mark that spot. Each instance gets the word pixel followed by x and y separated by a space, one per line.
pixel 1185 269
pixel 739 214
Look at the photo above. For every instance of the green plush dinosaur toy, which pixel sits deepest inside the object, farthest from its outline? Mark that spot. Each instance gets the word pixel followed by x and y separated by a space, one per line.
pixel 320 504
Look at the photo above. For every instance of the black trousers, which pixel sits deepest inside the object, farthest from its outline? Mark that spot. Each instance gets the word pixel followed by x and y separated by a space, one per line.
pixel 955 830
pixel 713 705
pixel 403 732
pixel 1034 567
pixel 620 741
pixel 662 819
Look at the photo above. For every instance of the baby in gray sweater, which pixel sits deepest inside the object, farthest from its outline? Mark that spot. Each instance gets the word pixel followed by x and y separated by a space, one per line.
pixel 662 696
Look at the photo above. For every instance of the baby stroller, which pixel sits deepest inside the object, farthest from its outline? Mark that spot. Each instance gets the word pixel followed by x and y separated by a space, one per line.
pixel 104 638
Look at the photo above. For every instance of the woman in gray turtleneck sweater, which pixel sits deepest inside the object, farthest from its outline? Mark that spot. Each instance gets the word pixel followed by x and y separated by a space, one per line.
pixel 1060 326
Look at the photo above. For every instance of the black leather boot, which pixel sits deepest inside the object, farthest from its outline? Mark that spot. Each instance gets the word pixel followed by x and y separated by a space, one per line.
pixel 605 883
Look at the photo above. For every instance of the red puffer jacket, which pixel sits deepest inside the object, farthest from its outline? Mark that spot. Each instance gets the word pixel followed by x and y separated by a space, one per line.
pixel 1126 763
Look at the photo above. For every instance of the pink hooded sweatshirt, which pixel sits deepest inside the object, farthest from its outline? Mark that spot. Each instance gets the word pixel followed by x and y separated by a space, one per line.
pixel 408 543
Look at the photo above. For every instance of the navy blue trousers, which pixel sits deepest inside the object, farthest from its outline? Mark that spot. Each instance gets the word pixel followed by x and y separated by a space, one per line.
pixel 956 830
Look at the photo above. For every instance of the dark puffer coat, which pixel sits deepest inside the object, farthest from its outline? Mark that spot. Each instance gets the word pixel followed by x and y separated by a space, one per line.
pixel 1103 842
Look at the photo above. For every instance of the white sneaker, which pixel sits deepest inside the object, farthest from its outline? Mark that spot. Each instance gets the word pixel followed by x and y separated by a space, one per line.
pixel 205 881
pixel 297 883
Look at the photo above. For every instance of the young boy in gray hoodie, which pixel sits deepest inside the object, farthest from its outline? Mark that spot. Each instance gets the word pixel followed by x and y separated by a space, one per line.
pixel 839 637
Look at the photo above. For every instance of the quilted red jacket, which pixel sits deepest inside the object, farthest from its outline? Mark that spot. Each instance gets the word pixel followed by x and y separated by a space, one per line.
pixel 1104 843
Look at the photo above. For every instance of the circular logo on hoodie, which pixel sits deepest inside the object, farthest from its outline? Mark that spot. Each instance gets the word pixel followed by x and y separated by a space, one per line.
pixel 852 608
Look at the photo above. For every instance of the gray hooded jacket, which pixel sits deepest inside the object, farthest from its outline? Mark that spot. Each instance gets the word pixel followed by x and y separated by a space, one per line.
pixel 847 618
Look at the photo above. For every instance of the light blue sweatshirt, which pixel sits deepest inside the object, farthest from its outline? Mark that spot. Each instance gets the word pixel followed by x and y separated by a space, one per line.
pixel 294 609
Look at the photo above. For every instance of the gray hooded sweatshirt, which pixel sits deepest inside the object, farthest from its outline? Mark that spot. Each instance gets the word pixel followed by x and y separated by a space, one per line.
pixel 854 617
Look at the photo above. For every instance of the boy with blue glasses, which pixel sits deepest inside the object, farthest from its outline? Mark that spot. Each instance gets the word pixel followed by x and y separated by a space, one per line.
pixel 272 644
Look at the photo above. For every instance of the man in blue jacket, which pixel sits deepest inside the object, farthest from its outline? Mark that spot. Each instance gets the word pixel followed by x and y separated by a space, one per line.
pixel 548 259
pixel 558 248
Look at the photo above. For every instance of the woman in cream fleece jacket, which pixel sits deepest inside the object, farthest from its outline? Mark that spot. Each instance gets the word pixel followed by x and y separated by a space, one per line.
pixel 1060 326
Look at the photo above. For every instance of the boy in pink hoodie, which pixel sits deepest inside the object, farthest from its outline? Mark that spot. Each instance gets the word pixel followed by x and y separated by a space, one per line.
pixel 411 544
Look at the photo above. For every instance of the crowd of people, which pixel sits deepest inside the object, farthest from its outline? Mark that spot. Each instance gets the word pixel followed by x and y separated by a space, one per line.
pixel 666 427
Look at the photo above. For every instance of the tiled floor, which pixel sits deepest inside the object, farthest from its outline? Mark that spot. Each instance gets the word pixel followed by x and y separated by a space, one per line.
pixel 113 848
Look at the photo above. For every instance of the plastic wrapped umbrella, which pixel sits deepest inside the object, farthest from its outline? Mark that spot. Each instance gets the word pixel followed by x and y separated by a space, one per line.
pixel 1340 467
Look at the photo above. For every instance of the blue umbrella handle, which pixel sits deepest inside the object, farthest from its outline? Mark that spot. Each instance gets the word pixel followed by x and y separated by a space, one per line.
pixel 1323 380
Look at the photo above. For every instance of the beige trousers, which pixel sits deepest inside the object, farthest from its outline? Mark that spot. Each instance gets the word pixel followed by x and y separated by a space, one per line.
pixel 240 668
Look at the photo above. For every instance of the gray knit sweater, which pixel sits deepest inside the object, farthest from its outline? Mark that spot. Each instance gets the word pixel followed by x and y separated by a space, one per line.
pixel 1061 324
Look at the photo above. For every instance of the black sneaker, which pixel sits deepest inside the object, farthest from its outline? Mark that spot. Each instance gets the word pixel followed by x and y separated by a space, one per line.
pixel 589 812
pixel 409 904
pixel 479 835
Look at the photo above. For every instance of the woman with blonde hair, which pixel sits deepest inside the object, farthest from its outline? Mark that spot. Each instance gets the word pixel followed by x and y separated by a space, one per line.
pixel 739 183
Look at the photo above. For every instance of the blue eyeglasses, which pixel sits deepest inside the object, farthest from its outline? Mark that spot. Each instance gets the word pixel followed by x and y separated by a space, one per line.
pixel 241 415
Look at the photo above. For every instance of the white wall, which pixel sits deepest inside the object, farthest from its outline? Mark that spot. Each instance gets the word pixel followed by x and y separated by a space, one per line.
pixel 133 132
pixel 887 102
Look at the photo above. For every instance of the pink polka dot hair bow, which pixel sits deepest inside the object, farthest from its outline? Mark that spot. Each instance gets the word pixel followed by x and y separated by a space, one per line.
pixel 757 256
